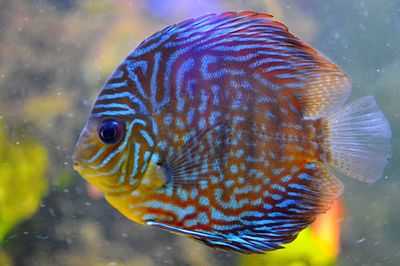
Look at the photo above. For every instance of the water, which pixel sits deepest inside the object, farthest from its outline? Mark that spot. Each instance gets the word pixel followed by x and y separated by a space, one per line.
pixel 54 57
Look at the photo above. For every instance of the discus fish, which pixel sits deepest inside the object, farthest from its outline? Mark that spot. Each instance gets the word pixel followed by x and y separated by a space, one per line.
pixel 225 129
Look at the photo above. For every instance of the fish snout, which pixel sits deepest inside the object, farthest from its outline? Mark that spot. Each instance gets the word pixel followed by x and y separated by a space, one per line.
pixel 82 151
pixel 76 164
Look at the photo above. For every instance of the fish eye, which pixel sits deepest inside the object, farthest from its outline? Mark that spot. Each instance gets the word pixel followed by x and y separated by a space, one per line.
pixel 110 131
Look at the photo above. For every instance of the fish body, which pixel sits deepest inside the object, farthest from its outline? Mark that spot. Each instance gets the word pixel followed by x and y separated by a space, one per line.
pixel 221 128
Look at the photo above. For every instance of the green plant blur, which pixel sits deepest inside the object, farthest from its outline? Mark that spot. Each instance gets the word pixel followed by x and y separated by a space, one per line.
pixel 23 181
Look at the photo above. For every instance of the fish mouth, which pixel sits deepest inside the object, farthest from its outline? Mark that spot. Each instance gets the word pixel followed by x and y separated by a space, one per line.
pixel 82 147
pixel 76 162
pixel 77 166
pixel 83 170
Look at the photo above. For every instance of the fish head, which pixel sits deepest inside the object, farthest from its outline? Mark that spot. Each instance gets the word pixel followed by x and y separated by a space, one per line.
pixel 105 151
pixel 100 154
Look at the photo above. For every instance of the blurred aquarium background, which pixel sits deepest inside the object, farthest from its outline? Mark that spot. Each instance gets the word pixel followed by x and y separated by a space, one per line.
pixel 54 57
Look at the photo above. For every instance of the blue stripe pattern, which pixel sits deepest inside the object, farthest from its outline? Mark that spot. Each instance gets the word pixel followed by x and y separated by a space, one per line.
pixel 210 100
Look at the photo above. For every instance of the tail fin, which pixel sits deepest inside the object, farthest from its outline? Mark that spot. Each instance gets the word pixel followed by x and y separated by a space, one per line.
pixel 358 140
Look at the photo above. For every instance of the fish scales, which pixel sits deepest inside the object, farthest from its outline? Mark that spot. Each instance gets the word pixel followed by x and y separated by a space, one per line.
pixel 225 132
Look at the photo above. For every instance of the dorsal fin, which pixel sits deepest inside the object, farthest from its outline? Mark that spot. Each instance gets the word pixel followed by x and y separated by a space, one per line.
pixel 322 86
pixel 271 56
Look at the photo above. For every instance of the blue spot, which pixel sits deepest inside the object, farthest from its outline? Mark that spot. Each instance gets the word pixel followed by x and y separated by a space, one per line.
pixel 155 158
pixel 215 90
pixel 276 214
pixel 202 123
pixel 286 179
pixel 187 137
pixel 155 127
pixel 279 67
pixel 214 179
pixel 162 145
pixel 203 218
pixel 229 183
pixel 295 169
pixel 237 119
pixel 179 123
pixel 213 117
pixel 191 88
pixel 310 166
pixel 305 176
pixel 168 119
pixel 239 135
pixel 204 168
pixel 190 116
pixel 285 75
pixel 204 201
pixel 237 102
pixel 182 194
pixel 203 104
pixel 267 206
pixel 277 171
pixel 257 202
pixel 190 223
pixel 278 187
pixel 235 84
pixel 234 169
pixel 194 193
pixel 203 184
pixel 239 153
pixel 286 203
pixel 299 187
pixel 246 85
pixel 276 197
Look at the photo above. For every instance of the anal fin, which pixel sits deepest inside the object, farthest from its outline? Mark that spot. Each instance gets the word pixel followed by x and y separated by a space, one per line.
pixel 313 188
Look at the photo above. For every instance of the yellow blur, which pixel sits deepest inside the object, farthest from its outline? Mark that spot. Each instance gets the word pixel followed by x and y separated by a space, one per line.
pixel 318 245
pixel 22 180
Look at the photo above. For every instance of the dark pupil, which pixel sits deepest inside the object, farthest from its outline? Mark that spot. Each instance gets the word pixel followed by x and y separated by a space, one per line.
pixel 110 131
